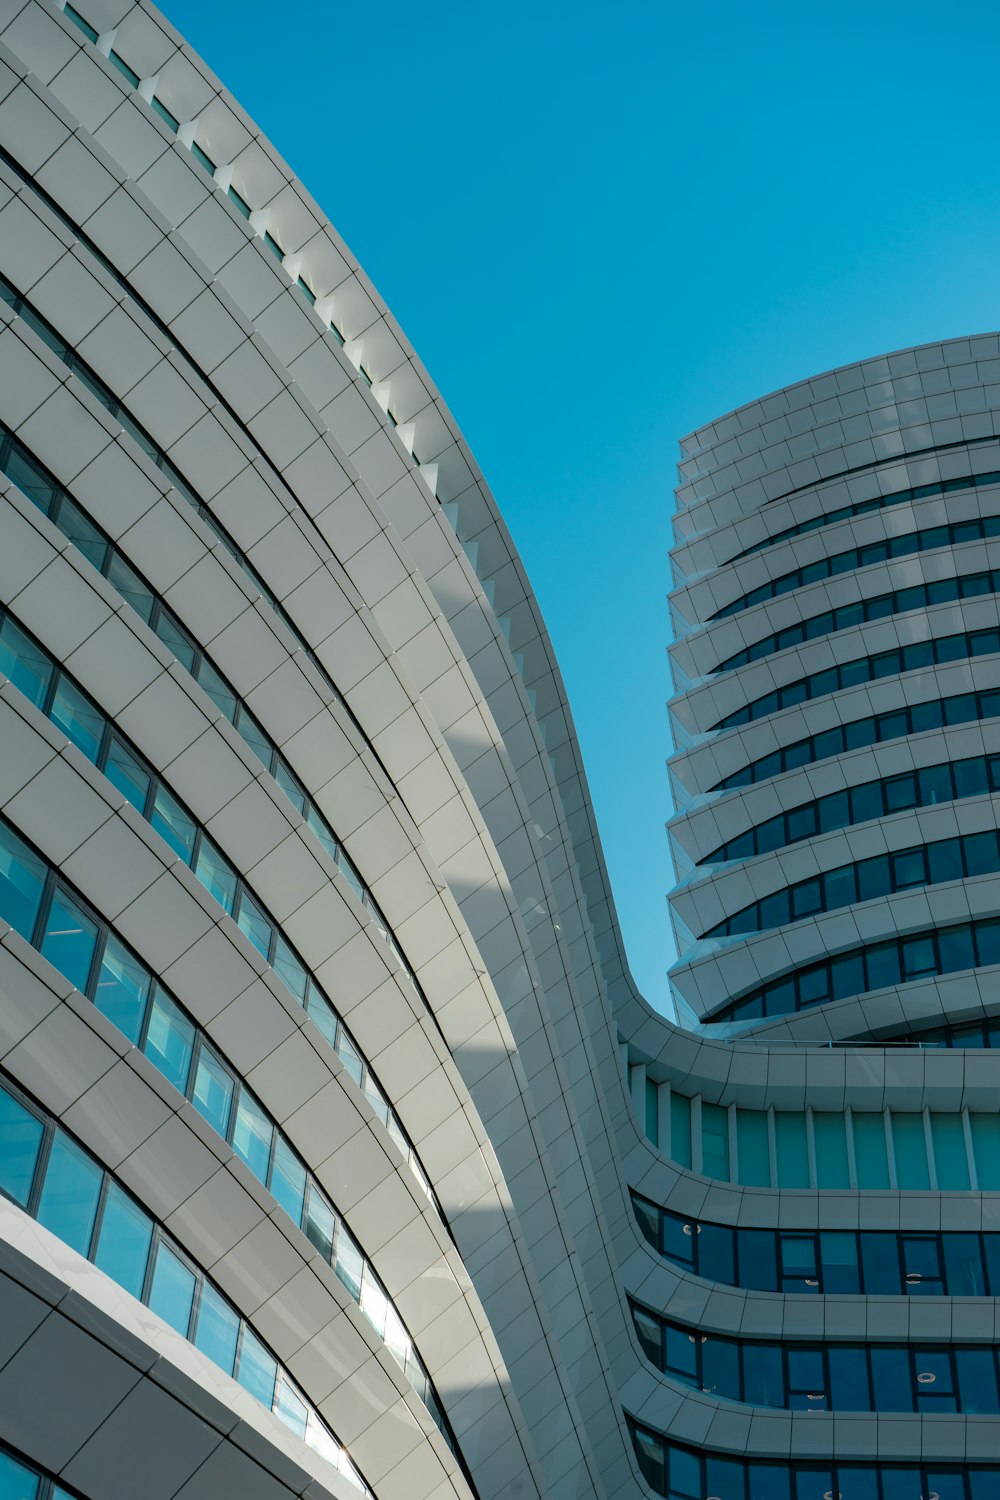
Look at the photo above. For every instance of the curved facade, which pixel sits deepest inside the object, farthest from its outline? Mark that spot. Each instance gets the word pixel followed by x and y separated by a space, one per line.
pixel 337 1151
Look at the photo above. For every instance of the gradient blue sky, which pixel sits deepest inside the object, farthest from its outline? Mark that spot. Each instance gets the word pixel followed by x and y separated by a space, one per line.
pixel 601 226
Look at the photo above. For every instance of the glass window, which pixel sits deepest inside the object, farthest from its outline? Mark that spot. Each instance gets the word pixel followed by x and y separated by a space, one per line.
pixel 289 786
pixel 963 1265
pixel 254 737
pixel 321 1012
pixel 213 1090
pixel 374 1303
pixel 321 1223
pixel 70 1193
pixel 977 1378
pixel 839 1260
pixel 680 1128
pixel 715 1250
pixel 910 1150
pixel 79 719
pixel 880 1262
pixel 218 690
pixel 22 880
pixel 218 1329
pixel 986 1150
pixel 20 1141
pixel 901 792
pixel 918 957
pixel 847 976
pixel 70 939
pixel 763 1378
pixel 124 1240
pixel 768 1481
pixel 175 638
pixel 720 1368
pixel 82 532
pixel 131 587
pixel 216 874
pixel 255 924
pixel 17 1482
pixel 870 1157
pixel 288 1180
pixel 648 1329
pixel 751 1141
pixel 908 868
pixel 679 1239
pixel 170 1040
pixel 681 1353
pixel 125 771
pixel 891 1383
pixel 289 969
pixel 988 942
pixel 802 822
pixel 757 1259
pixel 806 1379
pixel 257 1371
pixel 122 989
pixel 652 1460
pixel 30 479
pixel 944 860
pixel 813 988
pixel 921 1265
pixel 171 1295
pixel 252 1135
pixel 830 1140
pixel 290 1407
pixel 950 1160
pixel 882 962
pixel 715 1140
pixel 790 1146
pixel 848 1366
pixel 955 945
pixel 935 1388
pixel 173 824
pixel 807 898
pixel 349 1263
pixel 27 665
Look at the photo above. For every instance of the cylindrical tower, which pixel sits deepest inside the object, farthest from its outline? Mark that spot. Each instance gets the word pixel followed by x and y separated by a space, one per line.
pixel 837 568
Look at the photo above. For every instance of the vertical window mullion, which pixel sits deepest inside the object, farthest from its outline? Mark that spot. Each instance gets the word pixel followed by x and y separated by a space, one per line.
pixel 41 1168
pixel 151 791
pixel 144 1028
pixel 102 1199
pixel 104 749
pixel 147 1280
pixel 98 958
pixel 44 907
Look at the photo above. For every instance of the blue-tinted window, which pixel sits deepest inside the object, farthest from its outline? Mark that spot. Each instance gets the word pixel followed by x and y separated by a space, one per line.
pixel 123 1242
pixel 22 880
pixel 20 1141
pixel 252 1135
pixel 122 991
pixel 172 1292
pixel 218 1329
pixel 70 1193
pixel 17 1481
pixel 216 874
pixel 27 665
pixel 175 825
pixel 257 1370
pixel 126 772
pixel 70 939
pixel 213 1090
pixel 78 718
pixel 169 1040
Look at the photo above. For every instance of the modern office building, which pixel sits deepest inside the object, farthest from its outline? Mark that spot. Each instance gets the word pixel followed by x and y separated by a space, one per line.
pixel 338 1152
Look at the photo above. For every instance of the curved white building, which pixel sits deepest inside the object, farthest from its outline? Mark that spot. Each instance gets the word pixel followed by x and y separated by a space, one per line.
pixel 337 1150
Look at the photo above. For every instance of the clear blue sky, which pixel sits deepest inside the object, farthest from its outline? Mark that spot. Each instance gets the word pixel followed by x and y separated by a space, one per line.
pixel 602 225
